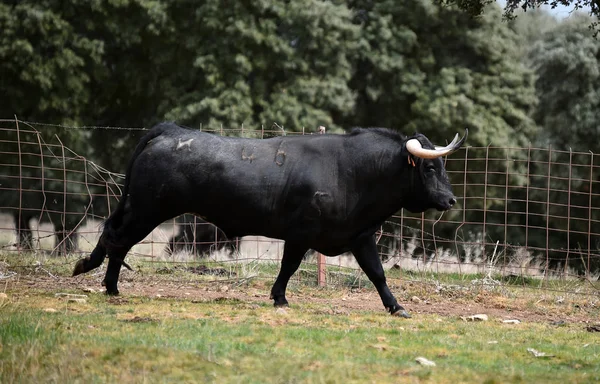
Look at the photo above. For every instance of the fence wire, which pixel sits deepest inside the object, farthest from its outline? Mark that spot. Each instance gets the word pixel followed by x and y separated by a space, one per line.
pixel 521 211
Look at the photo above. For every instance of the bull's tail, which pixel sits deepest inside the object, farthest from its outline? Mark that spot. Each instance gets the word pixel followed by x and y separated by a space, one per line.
pixel 109 238
pixel 115 219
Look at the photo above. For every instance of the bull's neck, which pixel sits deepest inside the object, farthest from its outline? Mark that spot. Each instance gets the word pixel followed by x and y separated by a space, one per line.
pixel 386 185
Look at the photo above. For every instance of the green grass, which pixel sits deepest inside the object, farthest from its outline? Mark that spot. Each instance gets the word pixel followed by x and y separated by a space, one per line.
pixel 229 341
pixel 143 338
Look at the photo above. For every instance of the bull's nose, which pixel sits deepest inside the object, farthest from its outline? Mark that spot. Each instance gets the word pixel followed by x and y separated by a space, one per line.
pixel 452 201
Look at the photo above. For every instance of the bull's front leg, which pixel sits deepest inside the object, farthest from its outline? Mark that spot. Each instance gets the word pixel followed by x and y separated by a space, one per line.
pixel 367 257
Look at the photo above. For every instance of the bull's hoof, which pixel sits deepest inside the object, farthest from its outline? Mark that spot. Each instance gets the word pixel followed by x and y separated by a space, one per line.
pixel 111 289
pixel 279 302
pixel 80 266
pixel 402 313
pixel 112 292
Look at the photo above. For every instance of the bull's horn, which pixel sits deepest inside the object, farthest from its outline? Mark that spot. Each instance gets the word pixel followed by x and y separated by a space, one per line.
pixel 452 143
pixel 416 149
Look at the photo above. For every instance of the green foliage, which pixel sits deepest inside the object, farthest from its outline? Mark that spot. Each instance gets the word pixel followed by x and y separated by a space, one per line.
pixel 432 69
pixel 414 66
pixel 566 60
pixel 568 52
pixel 512 7
pixel 289 64
pixel 44 63
pixel 84 61
pixel 531 26
pixel 422 66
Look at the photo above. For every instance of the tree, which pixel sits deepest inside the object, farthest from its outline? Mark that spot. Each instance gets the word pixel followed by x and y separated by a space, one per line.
pixel 43 64
pixel 571 108
pixel 567 63
pixel 478 7
pixel 433 69
pixel 531 26
pixel 136 75
pixel 44 77
pixel 86 62
pixel 70 63
pixel 265 62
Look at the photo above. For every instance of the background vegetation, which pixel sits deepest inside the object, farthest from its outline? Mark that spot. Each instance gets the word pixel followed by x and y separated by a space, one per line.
pixel 421 65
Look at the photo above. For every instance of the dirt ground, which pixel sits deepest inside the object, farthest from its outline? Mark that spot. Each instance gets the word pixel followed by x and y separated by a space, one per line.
pixel 418 299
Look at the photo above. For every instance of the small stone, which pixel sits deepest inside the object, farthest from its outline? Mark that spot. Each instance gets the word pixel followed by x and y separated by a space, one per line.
pixel 423 361
pixel 70 295
pixel 88 290
pixel 381 347
pixel 415 299
pixel 77 300
pixel 511 321
pixel 479 317
pixel 50 310
pixel 224 288
pixel 3 296
pixel 281 311
pixel 537 353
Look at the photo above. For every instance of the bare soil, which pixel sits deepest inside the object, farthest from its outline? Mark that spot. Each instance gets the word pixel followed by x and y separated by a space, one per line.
pixel 541 306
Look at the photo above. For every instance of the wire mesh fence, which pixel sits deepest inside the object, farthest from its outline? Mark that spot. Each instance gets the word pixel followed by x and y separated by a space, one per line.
pixel 521 211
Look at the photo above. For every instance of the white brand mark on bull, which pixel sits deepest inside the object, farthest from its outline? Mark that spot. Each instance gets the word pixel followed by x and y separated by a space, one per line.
pixel 182 144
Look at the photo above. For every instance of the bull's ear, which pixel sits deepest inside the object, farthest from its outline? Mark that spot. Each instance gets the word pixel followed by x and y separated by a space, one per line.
pixel 416 149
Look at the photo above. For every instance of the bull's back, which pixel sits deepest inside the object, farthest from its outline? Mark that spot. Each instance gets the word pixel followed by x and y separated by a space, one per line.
pixel 228 181
pixel 244 186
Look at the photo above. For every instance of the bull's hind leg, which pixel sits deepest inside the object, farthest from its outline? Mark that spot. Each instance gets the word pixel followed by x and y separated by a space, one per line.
pixel 292 257
pixel 116 241
pixel 112 272
pixel 130 233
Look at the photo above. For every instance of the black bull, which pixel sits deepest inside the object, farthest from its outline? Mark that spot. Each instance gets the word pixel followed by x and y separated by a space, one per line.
pixel 329 193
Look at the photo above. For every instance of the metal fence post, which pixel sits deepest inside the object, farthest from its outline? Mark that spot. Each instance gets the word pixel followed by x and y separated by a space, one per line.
pixel 20 218
pixel 321 272
pixel 548 206
pixel 566 269
pixel 591 193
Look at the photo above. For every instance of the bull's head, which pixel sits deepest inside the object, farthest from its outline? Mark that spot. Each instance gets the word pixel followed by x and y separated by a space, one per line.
pixel 433 189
